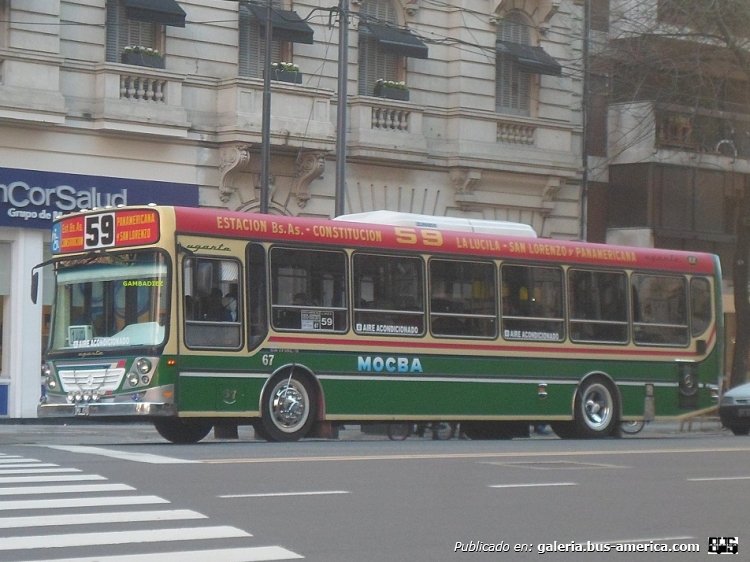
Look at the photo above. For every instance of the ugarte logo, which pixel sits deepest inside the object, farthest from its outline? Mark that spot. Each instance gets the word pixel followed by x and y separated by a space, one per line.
pixel 377 364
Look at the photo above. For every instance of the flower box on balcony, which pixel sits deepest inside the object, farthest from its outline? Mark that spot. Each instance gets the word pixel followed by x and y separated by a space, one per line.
pixel 286 72
pixel 142 56
pixel 293 76
pixel 391 90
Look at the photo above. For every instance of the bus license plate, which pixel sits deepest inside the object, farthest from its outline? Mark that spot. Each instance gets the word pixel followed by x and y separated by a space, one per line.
pixel 82 410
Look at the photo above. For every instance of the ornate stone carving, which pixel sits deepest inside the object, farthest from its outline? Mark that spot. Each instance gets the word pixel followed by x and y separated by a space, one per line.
pixel 464 180
pixel 308 166
pixel 235 158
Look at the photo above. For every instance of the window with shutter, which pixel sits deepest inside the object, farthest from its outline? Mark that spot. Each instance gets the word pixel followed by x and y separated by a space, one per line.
pixel 374 61
pixel 253 42
pixel 123 32
pixel 512 83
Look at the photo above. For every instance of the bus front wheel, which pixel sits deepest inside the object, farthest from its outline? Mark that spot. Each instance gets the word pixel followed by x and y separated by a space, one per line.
pixel 596 409
pixel 182 431
pixel 288 408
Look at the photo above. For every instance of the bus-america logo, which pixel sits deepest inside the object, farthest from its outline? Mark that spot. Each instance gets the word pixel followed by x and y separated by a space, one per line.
pixel 377 364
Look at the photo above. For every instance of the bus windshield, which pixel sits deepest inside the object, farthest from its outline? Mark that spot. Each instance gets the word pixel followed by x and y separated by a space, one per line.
pixel 111 301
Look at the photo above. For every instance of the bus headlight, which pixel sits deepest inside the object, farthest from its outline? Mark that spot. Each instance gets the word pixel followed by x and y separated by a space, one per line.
pixel 143 366
pixel 133 379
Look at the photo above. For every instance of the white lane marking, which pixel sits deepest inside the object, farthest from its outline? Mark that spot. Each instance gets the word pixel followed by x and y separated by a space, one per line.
pixel 98 518
pixel 10 459
pixel 80 502
pixel 283 494
pixel 718 478
pixel 453 456
pixel 65 489
pixel 49 478
pixel 122 455
pixel 36 469
pixel 249 554
pixel 122 537
pixel 533 485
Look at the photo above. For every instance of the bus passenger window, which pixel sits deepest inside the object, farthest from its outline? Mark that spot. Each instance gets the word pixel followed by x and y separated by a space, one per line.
pixel 532 303
pixel 212 303
pixel 463 299
pixel 388 295
pixel 660 310
pixel 308 290
pixel 598 306
pixel 700 305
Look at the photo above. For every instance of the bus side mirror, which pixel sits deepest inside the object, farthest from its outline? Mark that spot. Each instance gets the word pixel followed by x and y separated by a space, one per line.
pixel 34 286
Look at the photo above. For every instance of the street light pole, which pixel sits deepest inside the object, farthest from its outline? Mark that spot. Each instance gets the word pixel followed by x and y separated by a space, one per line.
pixel 341 108
pixel 265 149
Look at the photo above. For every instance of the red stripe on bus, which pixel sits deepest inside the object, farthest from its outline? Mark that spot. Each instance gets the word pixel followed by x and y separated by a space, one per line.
pixel 253 226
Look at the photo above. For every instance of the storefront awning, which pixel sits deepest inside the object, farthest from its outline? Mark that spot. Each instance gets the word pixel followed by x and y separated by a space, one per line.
pixel 530 59
pixel 165 12
pixel 286 25
pixel 397 39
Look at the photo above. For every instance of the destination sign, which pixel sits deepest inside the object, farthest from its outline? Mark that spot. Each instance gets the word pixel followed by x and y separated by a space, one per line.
pixel 112 229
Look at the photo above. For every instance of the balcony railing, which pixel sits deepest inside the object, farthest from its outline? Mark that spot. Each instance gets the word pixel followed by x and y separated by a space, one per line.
pixel 385 128
pixel 700 130
pixel 638 129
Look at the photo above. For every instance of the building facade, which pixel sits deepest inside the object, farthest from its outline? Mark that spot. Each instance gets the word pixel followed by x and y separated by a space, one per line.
pixel 468 109
pixel 668 129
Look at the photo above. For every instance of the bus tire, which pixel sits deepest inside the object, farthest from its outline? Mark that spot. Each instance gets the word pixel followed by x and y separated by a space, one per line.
pixel 182 431
pixel 288 408
pixel 596 409
pixel 740 429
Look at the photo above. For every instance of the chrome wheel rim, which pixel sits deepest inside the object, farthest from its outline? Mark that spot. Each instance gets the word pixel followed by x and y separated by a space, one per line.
pixel 290 405
pixel 597 407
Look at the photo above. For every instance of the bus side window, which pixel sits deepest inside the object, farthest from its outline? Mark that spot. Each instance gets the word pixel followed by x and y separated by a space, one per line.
pixel 660 317
pixel 212 305
pixel 308 290
pixel 388 295
pixel 597 306
pixel 532 303
pixel 463 300
pixel 257 290
pixel 700 305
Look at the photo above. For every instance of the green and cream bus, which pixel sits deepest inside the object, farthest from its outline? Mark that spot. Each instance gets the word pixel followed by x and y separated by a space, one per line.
pixel 194 318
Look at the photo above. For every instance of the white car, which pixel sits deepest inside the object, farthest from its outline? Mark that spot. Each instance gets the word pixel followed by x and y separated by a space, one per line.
pixel 734 409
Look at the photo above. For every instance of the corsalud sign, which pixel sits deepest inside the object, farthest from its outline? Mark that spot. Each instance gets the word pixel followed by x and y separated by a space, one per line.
pixel 31 198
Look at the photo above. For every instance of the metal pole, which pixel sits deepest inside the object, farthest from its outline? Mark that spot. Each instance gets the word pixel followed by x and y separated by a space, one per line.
pixel 584 121
pixel 265 149
pixel 341 108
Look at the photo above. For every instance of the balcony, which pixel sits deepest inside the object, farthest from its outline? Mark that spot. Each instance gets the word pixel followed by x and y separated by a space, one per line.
pixel 300 114
pixel 649 131
pixel 139 99
pixel 383 128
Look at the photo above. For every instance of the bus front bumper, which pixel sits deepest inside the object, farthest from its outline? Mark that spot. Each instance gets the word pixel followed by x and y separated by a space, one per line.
pixel 150 403
pixel 137 409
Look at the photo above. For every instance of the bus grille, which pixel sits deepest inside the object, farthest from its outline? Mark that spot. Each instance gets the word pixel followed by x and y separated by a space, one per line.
pixel 99 377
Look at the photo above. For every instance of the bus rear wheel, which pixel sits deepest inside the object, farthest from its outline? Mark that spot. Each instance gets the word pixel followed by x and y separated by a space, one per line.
pixel 182 431
pixel 288 408
pixel 596 409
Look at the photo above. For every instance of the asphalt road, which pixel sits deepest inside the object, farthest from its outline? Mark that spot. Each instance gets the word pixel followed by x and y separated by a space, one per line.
pixel 119 493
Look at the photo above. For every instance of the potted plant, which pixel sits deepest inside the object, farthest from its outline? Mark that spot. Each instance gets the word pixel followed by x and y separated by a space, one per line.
pixel 391 89
pixel 286 72
pixel 142 56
